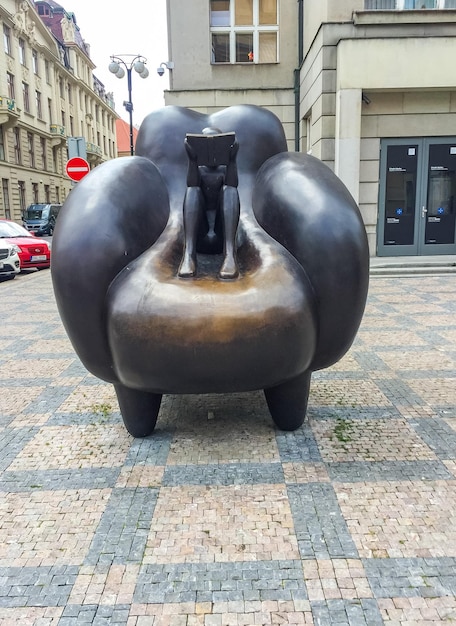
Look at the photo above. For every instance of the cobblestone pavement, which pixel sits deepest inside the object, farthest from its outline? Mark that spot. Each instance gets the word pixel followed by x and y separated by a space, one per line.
pixel 219 518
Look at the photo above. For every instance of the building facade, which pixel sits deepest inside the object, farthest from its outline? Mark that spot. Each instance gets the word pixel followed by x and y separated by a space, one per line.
pixel 367 86
pixel 48 93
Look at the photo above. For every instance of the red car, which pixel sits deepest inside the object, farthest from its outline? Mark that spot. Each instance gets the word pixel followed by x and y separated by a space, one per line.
pixel 35 252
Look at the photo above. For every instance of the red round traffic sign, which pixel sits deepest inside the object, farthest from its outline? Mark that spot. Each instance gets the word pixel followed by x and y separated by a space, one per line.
pixel 77 168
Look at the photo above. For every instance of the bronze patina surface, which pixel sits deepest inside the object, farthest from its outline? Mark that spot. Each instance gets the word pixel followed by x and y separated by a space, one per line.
pixel 290 302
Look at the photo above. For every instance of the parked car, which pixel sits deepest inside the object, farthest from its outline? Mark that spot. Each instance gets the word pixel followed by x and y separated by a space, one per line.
pixel 34 252
pixel 40 218
pixel 10 264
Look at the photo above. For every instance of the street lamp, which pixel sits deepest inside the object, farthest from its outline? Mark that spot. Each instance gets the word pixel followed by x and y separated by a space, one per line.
pixel 136 62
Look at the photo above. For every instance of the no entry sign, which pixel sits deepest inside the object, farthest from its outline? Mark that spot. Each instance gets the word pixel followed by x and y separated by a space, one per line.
pixel 77 168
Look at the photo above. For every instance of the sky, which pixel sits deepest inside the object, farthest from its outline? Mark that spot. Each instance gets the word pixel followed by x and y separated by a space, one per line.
pixel 126 28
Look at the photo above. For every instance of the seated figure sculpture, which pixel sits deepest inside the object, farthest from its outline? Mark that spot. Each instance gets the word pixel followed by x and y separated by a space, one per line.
pixel 211 204
pixel 153 315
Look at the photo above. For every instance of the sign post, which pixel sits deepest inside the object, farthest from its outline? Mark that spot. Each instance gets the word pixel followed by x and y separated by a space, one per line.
pixel 76 168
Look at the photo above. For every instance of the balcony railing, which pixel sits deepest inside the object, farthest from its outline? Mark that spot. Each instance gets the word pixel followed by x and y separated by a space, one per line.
pixel 92 148
pixel 57 130
pixel 404 5
pixel 7 104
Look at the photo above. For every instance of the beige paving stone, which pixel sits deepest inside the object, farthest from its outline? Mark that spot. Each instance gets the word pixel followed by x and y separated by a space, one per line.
pixel 451 466
pixel 214 444
pixel 30 616
pixel 347 364
pixel 51 346
pixel 346 393
pixel 217 523
pixel 401 519
pixel 39 528
pixel 207 613
pixel 96 399
pixel 423 360
pixel 369 440
pixel 105 585
pixel 85 445
pixel 14 400
pixel 17 330
pixel 140 476
pixel 439 391
pixel 418 611
pixel 305 473
pixel 335 579
pixel 28 420
pixel 34 367
pixel 390 338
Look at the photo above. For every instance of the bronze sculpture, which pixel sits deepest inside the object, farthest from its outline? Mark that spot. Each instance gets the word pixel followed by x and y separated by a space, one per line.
pixel 292 305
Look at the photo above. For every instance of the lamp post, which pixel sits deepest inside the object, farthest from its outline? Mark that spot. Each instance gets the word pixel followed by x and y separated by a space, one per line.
pixel 136 62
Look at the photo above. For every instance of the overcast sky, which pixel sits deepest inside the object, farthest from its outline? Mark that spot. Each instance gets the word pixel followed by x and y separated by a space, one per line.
pixel 130 27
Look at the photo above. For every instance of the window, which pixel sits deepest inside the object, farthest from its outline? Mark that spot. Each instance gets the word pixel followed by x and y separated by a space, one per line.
pixel 43 150
pixel 71 126
pixel 50 110
pixel 39 108
pixel 21 187
pixel 2 144
pixel 17 145
pixel 63 118
pixel 35 62
pixel 61 91
pixel 388 5
pixel 31 149
pixel 35 192
pixel 7 39
pixel 22 51
pixel 244 31
pixel 47 194
pixel 47 72
pixel 10 85
pixel 26 97
pixel 6 198
pixel 70 94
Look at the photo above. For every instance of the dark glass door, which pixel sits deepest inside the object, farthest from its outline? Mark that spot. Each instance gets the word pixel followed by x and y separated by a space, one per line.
pixel 417 212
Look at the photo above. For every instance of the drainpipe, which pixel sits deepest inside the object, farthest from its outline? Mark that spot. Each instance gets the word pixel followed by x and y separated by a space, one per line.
pixel 297 71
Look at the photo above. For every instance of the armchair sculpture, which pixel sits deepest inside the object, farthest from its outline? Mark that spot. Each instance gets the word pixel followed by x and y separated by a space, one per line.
pixel 141 318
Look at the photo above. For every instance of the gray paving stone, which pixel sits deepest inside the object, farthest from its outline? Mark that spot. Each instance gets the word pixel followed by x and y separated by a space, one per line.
pixel 359 471
pixel 438 435
pixel 40 586
pixel 321 530
pixel 83 478
pixel 411 577
pixel 121 534
pixel 223 474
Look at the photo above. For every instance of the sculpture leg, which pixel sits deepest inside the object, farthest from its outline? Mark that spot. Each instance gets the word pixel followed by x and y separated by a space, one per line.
pixel 193 214
pixel 230 214
pixel 288 402
pixel 139 410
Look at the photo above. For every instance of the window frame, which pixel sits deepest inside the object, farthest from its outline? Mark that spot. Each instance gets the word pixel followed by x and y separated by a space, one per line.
pixel 26 96
pixel 17 145
pixel 22 52
pixel 31 149
pixel 2 144
pixel 255 29
pixel 7 39
pixel 10 86
pixel 35 62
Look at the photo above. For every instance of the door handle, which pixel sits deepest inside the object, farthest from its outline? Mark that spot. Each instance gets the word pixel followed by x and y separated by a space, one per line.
pixel 423 211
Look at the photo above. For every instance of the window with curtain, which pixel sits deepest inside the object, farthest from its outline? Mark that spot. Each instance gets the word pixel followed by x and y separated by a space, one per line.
pixel 244 31
pixel 408 5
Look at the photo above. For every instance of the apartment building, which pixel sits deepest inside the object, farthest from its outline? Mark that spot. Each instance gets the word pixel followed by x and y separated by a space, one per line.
pixel 367 86
pixel 48 93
